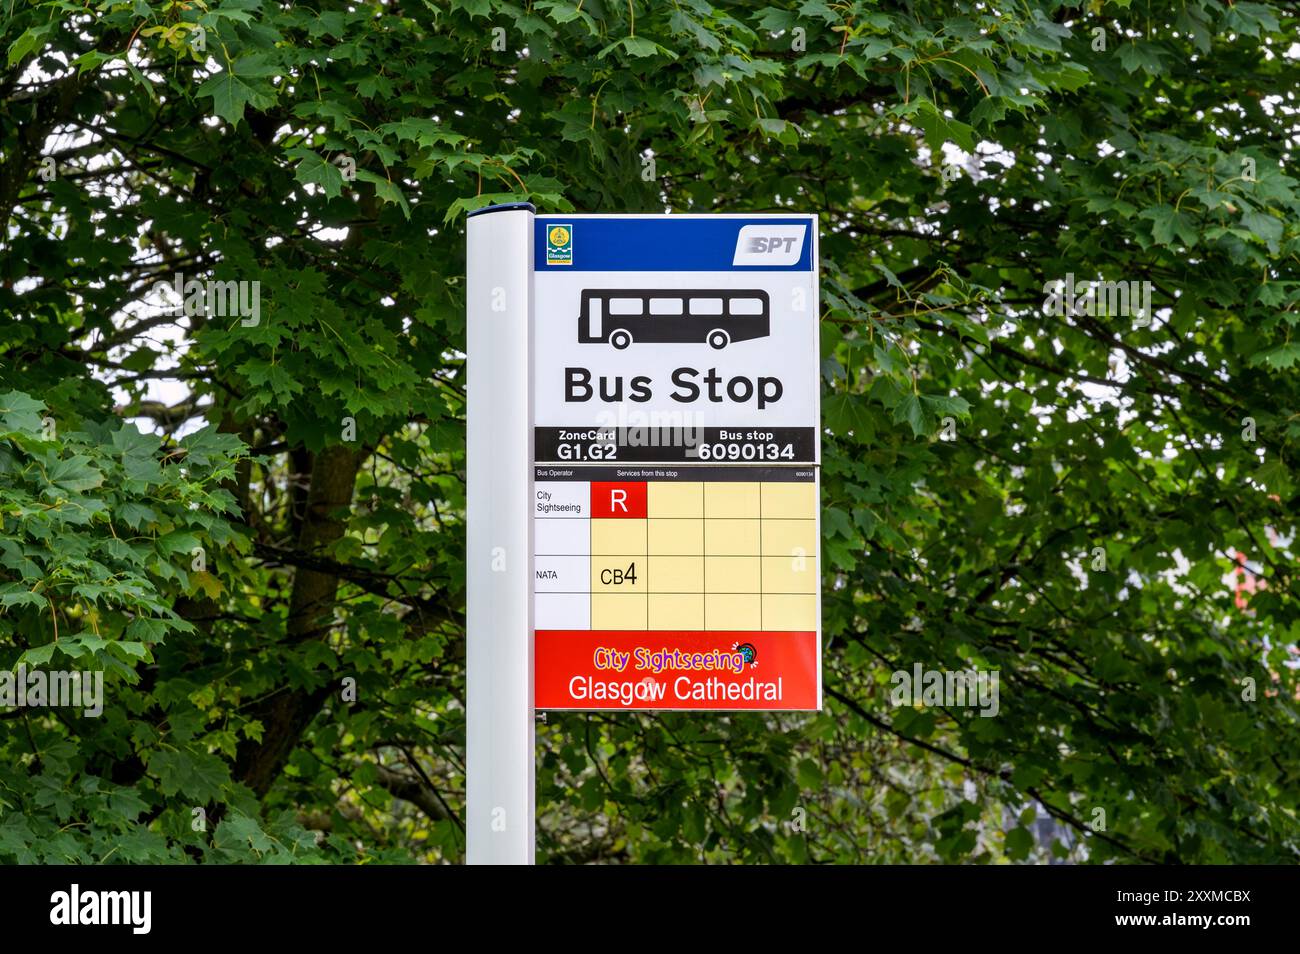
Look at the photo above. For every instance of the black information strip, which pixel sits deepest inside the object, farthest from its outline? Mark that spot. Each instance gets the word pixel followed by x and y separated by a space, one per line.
pixel 694 472
pixel 1235 904
pixel 705 445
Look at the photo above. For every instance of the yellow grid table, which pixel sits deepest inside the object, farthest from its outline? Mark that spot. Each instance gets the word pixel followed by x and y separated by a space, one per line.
pixel 677 555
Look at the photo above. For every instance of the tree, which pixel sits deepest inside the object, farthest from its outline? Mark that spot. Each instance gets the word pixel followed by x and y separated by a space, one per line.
pixel 1024 472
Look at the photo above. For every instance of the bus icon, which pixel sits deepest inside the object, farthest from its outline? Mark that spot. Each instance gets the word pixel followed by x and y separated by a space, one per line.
pixel 663 316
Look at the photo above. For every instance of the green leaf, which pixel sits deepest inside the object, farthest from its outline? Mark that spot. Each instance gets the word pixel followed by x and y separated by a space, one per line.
pixel 38 656
pixel 386 190
pixel 135 515
pixel 939 128
pixel 1137 55
pixel 208 445
pixel 315 171
pixel 246 830
pixel 1170 226
pixel 1283 356
pixel 178 541
pixel 1264 227
pixel 75 474
pixel 19 412
pixel 847 415
pixel 639 46
pixel 33 38
pixel 911 411
pixel 241 84
pixel 1019 842
pixel 475 8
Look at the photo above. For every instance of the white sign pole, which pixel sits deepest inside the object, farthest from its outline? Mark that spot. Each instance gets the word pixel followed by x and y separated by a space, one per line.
pixel 499 551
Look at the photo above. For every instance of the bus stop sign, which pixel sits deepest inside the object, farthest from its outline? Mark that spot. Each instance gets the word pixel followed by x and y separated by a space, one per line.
pixel 676 462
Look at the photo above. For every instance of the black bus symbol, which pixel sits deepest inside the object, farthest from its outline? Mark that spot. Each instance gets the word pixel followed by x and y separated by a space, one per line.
pixel 662 316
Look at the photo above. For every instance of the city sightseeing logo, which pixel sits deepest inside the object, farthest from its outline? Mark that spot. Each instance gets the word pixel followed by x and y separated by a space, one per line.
pixel 658 661
pixel 653 677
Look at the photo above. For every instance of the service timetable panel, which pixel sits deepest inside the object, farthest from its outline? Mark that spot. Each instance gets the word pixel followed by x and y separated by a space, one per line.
pixel 676 519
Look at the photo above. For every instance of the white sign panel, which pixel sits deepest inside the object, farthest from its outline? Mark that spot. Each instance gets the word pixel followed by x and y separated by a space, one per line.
pixel 676 516
pixel 681 336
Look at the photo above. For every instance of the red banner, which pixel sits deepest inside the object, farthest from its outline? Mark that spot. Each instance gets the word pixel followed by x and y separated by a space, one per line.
pixel 613 670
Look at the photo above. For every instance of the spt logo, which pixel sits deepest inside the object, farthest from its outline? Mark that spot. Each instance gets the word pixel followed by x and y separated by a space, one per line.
pixel 773 243
pixel 769 245
pixel 559 245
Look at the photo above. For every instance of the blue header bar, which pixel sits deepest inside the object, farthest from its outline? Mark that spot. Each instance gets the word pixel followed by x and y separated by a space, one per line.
pixel 670 243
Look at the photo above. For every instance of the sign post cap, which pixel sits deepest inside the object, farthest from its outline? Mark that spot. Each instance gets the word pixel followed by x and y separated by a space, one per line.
pixel 507 207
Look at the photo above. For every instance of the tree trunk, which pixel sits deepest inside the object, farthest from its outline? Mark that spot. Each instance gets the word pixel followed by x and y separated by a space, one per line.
pixel 286 714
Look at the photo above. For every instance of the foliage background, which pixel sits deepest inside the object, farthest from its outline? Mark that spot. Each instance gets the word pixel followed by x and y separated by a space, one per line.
pixel 1122 689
